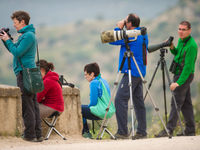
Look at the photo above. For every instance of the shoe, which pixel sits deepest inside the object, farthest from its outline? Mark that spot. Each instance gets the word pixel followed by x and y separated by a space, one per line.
pixel 186 134
pixel 163 133
pixel 121 136
pixel 40 139
pixel 30 139
pixel 139 136
pixel 87 135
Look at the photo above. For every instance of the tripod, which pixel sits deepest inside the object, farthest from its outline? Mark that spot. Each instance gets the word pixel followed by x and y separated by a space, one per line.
pixel 129 54
pixel 164 70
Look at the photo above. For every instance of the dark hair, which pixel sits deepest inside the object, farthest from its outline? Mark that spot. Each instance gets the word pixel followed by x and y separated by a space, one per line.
pixel 21 15
pixel 92 67
pixel 46 65
pixel 186 23
pixel 134 19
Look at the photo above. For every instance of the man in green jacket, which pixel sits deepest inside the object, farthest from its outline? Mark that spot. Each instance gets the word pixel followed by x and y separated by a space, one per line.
pixel 183 67
pixel 24 50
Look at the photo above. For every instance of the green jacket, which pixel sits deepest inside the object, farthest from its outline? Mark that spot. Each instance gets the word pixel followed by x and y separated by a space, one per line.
pixel 24 48
pixel 186 57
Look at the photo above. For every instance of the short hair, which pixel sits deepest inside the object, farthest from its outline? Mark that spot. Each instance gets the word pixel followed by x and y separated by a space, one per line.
pixel 92 67
pixel 134 19
pixel 46 65
pixel 21 15
pixel 186 23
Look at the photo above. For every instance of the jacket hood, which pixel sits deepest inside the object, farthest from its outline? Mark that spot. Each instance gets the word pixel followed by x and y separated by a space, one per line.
pixel 27 28
pixel 51 75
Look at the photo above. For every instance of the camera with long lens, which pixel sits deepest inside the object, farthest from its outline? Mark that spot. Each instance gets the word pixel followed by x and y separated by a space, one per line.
pixel 155 47
pixel 7 31
pixel 64 82
pixel 112 36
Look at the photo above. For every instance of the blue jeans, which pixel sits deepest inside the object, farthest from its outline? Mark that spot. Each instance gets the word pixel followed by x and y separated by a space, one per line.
pixel 86 114
pixel 121 104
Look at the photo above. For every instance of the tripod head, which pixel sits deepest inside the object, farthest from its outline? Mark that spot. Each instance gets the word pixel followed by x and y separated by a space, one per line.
pixel 162 52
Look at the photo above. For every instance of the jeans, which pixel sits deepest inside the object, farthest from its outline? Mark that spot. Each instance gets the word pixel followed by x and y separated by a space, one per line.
pixel 86 114
pixel 30 112
pixel 121 104
pixel 184 104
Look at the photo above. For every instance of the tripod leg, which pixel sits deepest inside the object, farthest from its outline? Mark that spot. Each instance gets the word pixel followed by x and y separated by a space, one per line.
pixel 156 108
pixel 164 89
pixel 152 79
pixel 174 99
pixel 112 94
pixel 131 99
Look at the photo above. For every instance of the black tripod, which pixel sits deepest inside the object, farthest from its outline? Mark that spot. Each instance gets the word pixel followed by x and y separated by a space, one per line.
pixel 164 70
pixel 129 54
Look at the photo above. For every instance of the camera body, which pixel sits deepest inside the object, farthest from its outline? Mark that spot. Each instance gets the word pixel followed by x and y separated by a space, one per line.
pixel 173 66
pixel 64 82
pixel 7 31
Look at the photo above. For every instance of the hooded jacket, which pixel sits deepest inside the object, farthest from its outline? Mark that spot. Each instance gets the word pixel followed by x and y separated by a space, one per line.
pixel 24 49
pixel 51 96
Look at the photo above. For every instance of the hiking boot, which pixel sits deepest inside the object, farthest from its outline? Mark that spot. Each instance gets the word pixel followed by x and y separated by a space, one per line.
pixel 139 136
pixel 121 136
pixel 186 134
pixel 87 135
pixel 163 133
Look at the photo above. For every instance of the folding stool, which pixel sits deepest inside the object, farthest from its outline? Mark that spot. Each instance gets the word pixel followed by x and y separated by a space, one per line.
pixel 52 125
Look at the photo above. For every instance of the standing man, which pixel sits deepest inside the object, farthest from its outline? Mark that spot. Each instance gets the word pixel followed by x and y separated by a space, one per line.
pixel 185 55
pixel 24 50
pixel 138 47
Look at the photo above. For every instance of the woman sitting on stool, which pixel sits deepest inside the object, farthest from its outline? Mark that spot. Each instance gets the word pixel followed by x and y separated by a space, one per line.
pixel 50 99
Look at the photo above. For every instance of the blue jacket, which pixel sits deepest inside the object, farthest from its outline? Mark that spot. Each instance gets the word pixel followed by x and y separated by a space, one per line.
pixel 136 48
pixel 96 89
pixel 24 48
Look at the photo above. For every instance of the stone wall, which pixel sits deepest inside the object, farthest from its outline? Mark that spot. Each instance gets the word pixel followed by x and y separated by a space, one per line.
pixel 69 123
pixel 10 110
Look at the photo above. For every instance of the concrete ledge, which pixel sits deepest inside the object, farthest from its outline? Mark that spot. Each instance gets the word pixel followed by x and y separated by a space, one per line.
pixel 69 123
pixel 10 110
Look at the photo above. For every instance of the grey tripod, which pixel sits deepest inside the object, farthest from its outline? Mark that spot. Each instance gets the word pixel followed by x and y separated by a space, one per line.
pixel 163 64
pixel 129 54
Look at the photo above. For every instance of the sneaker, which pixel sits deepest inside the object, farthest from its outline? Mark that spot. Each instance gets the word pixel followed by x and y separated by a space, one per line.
pixel 139 136
pixel 121 136
pixel 87 135
pixel 186 134
pixel 163 133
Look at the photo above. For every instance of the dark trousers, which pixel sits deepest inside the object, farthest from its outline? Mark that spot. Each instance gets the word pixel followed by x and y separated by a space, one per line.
pixel 30 112
pixel 184 104
pixel 86 114
pixel 121 104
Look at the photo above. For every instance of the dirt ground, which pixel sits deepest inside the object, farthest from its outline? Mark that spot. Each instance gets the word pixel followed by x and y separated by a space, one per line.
pixel 79 143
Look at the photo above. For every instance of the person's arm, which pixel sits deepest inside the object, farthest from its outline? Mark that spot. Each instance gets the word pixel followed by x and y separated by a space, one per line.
pixel 188 65
pixel 173 49
pixel 93 93
pixel 41 95
pixel 24 44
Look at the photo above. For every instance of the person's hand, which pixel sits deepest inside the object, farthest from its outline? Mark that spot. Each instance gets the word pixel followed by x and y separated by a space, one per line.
pixel 4 36
pixel 172 46
pixel 173 86
pixel 121 24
